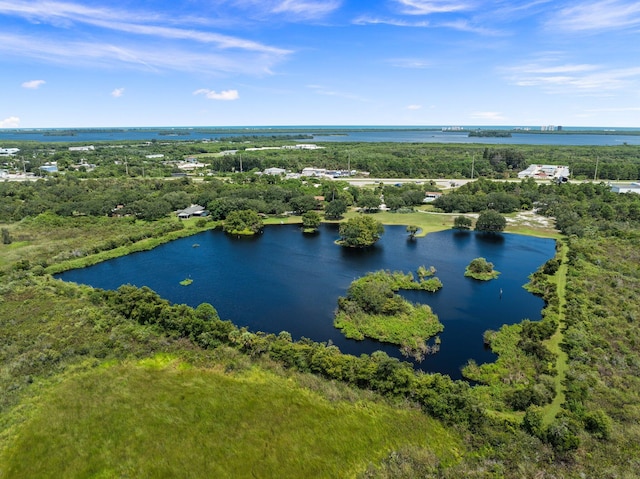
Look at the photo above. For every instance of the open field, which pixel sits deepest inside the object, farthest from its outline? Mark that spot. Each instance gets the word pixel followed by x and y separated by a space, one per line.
pixel 163 418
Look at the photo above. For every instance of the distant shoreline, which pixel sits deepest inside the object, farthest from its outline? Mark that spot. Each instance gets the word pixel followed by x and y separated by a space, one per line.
pixel 323 130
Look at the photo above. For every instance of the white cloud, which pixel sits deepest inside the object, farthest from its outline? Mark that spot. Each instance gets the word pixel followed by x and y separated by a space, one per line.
pixel 613 110
pixel 488 115
pixel 225 95
pixel 465 26
pixel 11 122
pixel 321 90
pixel 367 20
pixel 574 78
pixel 106 55
pixel 292 9
pixel 426 7
pixel 33 84
pixel 117 93
pixel 409 63
pixel 414 107
pixel 598 15
pixel 66 14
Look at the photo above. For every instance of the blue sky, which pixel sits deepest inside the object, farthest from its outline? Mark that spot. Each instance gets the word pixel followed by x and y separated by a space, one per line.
pixel 312 62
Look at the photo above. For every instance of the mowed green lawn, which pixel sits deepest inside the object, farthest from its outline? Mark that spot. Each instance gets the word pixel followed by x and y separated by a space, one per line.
pixel 148 420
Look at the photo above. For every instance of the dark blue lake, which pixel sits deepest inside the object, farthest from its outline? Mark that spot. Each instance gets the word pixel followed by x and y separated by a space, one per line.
pixel 283 280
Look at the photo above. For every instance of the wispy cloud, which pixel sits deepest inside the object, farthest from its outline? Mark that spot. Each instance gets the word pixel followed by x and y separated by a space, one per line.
pixel 107 55
pixel 117 93
pixel 225 95
pixel 173 43
pixel 287 10
pixel 613 110
pixel 414 107
pixel 412 63
pixel 33 84
pixel 598 16
pixel 321 90
pixel 573 78
pixel 395 22
pixel 425 7
pixel 488 116
pixel 67 14
pixel 466 26
pixel 11 122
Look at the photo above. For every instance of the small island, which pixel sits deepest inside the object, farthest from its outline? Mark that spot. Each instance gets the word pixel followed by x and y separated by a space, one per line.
pixel 186 282
pixel 489 134
pixel 481 269
pixel 372 309
pixel 360 232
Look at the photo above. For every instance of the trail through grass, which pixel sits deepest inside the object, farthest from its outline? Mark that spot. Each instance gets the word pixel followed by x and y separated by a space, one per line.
pixel 553 343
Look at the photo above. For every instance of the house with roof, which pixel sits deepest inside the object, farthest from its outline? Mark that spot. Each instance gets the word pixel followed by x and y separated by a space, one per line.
pixel 193 210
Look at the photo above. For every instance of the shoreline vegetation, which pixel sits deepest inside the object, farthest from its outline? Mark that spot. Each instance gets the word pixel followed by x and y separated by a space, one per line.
pixel 372 309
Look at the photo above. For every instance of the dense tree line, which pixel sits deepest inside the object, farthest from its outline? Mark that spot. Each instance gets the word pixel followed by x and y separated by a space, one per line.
pixel 438 394
pixel 393 160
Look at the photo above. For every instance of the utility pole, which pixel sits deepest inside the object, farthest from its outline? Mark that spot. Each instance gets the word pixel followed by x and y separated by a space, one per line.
pixel 595 173
pixel 473 164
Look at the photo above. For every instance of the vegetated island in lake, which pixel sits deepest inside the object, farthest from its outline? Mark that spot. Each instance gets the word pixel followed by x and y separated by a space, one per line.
pixel 481 269
pixel 372 309
pixel 245 138
pixel 490 134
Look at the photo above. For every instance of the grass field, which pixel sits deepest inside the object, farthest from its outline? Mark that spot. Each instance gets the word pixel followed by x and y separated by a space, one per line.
pixel 164 418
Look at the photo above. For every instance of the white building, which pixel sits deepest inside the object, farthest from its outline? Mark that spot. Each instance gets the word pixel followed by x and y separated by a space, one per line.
pixel 303 146
pixel 632 188
pixel 81 148
pixel 543 172
pixel 8 151
pixel 274 171
pixel 311 171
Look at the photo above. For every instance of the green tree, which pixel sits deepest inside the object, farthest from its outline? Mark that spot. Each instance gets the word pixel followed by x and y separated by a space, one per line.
pixel 491 221
pixel 480 265
pixel 481 269
pixel 335 209
pixel 243 222
pixel 311 220
pixel 360 232
pixel 304 203
pixel 412 230
pixel 369 201
pixel 462 222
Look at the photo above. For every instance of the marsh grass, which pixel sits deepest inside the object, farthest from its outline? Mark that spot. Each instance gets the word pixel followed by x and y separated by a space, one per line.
pixel 161 419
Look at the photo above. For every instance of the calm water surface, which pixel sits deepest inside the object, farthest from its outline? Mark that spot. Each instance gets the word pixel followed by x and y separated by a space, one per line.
pixel 344 134
pixel 286 281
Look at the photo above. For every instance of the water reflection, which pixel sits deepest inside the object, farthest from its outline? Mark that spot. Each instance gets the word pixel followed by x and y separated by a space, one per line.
pixel 284 280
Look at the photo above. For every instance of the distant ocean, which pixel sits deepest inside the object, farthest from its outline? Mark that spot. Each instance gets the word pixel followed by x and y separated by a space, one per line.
pixel 398 134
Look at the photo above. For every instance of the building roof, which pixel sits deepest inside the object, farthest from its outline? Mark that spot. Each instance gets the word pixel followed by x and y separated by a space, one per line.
pixel 191 211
